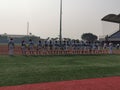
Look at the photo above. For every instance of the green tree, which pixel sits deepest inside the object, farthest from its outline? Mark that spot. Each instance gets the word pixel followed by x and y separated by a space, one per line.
pixel 89 37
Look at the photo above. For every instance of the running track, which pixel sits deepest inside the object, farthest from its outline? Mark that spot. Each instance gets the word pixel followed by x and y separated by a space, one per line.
pixel 110 83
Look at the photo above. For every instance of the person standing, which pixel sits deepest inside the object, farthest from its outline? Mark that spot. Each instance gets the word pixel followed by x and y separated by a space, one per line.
pixel 23 47
pixel 31 47
pixel 110 48
pixel 39 48
pixel 11 46
pixel 117 46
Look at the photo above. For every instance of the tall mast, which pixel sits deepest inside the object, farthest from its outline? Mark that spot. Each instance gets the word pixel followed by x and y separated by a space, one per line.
pixel 119 26
pixel 27 28
pixel 60 36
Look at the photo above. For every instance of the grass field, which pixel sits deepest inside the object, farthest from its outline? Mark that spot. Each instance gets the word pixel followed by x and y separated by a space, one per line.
pixel 17 70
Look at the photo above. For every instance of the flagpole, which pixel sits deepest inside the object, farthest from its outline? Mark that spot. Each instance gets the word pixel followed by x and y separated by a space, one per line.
pixel 60 36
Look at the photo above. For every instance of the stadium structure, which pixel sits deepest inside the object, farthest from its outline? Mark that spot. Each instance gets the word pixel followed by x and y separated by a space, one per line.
pixel 114 37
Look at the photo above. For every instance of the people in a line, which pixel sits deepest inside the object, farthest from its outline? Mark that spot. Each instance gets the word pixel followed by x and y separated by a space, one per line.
pixel 46 47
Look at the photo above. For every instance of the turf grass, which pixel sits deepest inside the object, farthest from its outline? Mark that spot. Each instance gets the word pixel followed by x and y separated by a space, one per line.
pixel 17 70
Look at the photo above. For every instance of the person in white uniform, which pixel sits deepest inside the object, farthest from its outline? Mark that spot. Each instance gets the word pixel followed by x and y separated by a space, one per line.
pixel 11 46
pixel 23 47
pixel 31 47
pixel 110 48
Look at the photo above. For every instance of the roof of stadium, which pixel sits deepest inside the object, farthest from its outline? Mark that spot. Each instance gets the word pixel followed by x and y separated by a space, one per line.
pixel 112 18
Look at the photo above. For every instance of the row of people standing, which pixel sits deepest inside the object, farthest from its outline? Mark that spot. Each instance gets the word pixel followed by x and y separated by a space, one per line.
pixel 49 45
pixel 45 45
pixel 11 47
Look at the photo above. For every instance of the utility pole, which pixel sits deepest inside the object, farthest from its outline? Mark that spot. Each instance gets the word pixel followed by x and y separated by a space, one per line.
pixel 119 26
pixel 60 36
pixel 27 28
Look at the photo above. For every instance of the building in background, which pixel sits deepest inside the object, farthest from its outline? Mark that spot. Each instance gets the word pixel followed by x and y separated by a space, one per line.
pixel 4 38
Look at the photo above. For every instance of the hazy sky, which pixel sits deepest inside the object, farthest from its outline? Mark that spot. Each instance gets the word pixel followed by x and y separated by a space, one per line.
pixel 79 16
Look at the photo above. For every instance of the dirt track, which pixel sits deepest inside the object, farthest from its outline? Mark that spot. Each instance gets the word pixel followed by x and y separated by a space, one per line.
pixel 4 50
pixel 111 83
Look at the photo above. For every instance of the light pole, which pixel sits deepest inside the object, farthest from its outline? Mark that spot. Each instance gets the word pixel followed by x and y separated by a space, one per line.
pixel 119 26
pixel 60 36
pixel 27 28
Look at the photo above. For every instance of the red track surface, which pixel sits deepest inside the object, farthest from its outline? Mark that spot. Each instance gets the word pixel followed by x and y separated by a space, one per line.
pixel 111 83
